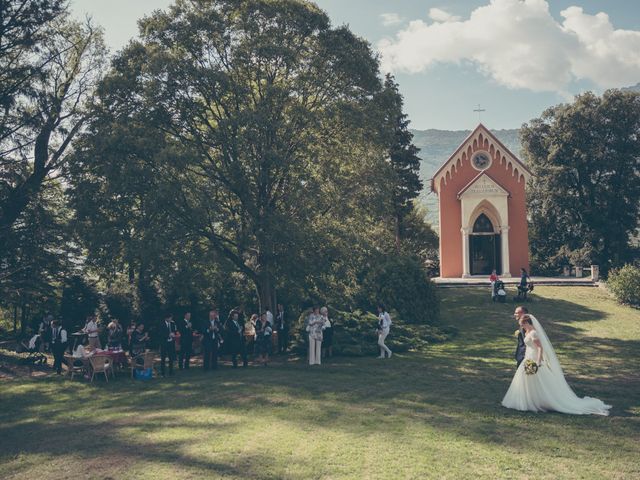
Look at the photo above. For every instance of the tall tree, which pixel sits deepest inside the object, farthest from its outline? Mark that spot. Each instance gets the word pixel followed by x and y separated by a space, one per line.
pixel 584 199
pixel 403 157
pixel 254 99
pixel 50 69
pixel 23 29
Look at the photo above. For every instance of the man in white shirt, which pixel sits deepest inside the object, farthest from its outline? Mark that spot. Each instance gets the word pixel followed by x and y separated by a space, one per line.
pixel 58 344
pixel 384 325
pixel 91 329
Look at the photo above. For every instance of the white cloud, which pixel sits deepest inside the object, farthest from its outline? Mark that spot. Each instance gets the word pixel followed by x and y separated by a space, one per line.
pixel 390 19
pixel 439 15
pixel 520 45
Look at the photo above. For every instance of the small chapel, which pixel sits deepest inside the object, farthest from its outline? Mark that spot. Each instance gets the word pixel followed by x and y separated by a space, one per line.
pixel 483 212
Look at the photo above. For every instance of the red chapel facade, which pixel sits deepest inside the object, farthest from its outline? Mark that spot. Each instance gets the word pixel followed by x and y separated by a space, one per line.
pixel 483 212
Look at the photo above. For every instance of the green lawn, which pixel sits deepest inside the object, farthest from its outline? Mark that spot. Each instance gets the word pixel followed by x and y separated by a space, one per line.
pixel 435 414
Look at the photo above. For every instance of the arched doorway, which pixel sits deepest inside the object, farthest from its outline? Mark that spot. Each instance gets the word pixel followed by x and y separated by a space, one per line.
pixel 484 247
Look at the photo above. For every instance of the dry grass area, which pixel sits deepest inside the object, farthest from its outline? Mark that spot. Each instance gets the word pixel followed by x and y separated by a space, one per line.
pixel 431 414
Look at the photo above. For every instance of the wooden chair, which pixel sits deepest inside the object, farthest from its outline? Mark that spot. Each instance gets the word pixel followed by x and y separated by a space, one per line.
pixel 136 362
pixel 147 362
pixel 72 368
pixel 100 364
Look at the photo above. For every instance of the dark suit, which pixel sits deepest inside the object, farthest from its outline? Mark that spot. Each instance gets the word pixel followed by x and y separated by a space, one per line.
pixel 234 341
pixel 186 343
pixel 57 347
pixel 520 348
pixel 210 341
pixel 283 332
pixel 167 345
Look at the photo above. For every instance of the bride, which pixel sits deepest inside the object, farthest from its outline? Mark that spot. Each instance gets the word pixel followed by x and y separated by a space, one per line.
pixel 547 388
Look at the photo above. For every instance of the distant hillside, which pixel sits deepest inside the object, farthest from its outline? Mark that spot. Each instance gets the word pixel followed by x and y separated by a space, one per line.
pixel 436 146
pixel 635 88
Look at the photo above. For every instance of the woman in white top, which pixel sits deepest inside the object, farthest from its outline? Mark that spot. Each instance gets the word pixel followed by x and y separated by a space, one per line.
pixel 384 325
pixel 314 327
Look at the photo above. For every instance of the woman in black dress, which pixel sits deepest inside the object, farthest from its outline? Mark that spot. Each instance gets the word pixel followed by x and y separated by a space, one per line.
pixel 263 338
pixel 327 333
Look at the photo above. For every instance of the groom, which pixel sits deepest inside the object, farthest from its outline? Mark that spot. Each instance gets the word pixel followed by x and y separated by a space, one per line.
pixel 520 348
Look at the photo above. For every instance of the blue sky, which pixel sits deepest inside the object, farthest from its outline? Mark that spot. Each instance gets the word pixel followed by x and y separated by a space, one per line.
pixel 512 56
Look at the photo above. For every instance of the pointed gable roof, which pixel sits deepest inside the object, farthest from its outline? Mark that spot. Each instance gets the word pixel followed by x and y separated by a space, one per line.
pixel 496 148
pixel 482 184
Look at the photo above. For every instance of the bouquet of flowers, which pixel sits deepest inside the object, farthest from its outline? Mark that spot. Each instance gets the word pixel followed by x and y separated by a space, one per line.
pixel 530 367
pixel 516 333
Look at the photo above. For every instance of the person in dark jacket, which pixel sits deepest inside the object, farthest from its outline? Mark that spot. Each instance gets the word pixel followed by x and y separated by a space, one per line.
pixel 282 327
pixel 58 338
pixel 185 327
pixel 167 338
pixel 520 347
pixel 234 339
pixel 210 340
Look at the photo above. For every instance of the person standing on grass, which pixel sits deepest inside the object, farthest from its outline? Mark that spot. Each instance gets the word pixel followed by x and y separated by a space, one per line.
pixel 283 330
pixel 210 339
pixel 45 331
pixel 314 327
pixel 91 329
pixel 384 325
pixel 130 329
pixel 327 333
pixel 186 341
pixel 250 334
pixel 269 315
pixel 139 340
pixel 167 343
pixel 267 339
pixel 263 338
pixel 520 312
pixel 58 344
pixel 234 335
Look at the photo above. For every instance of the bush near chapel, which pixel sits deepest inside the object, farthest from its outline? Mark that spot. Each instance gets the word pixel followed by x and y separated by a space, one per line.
pixel 402 284
pixel 624 283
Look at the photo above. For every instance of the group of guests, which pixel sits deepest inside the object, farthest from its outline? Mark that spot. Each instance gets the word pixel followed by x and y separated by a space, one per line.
pixel 235 337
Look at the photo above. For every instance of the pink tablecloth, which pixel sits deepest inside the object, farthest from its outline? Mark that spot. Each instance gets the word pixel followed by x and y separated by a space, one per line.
pixel 116 356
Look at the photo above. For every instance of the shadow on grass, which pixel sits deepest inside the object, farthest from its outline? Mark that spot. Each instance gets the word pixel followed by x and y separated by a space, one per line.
pixel 453 389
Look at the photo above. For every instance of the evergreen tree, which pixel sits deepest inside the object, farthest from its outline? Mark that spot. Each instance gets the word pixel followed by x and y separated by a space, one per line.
pixel 403 157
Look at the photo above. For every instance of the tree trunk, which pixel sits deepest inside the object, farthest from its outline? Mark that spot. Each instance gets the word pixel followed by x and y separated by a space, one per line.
pixel 265 291
pixel 20 196
pixel 398 222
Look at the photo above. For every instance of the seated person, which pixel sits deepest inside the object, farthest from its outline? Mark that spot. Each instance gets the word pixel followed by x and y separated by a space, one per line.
pixel 493 278
pixel 524 281
pixel 139 340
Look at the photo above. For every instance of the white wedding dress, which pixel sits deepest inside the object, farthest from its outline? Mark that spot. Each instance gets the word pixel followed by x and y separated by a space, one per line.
pixel 547 390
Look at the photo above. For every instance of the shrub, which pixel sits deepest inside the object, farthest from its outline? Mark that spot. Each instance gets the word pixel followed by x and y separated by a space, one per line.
pixel 355 334
pixel 402 284
pixel 624 283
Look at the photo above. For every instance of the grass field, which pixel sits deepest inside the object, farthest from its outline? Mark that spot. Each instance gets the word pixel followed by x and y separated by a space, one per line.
pixel 434 414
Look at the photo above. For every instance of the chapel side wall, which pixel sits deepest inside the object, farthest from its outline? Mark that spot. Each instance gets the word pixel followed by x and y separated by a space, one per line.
pixel 451 210
pixel 450 235
pixel 519 231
